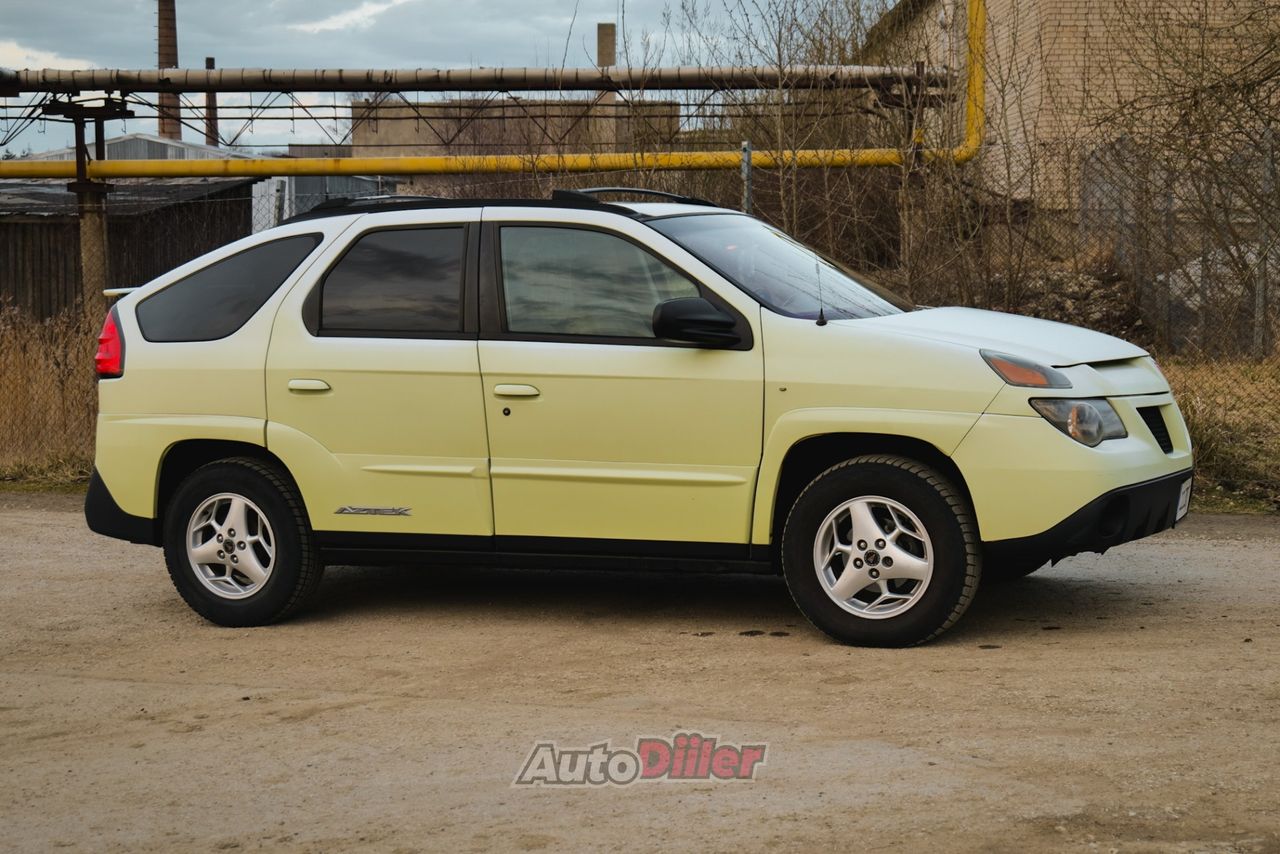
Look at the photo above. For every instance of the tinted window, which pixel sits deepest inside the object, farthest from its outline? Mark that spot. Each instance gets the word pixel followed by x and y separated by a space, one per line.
pixel 219 299
pixel 568 281
pixel 778 270
pixel 397 282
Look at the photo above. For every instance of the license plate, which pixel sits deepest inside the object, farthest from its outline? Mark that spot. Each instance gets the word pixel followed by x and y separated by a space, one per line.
pixel 1184 500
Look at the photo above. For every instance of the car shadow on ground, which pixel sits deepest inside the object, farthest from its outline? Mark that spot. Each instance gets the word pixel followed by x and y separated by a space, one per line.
pixel 440 591
pixel 1047 601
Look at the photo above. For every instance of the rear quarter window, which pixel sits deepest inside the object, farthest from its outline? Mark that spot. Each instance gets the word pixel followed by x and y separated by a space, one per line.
pixel 396 282
pixel 217 300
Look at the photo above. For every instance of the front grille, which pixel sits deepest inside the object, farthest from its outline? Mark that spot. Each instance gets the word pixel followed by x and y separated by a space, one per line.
pixel 1155 422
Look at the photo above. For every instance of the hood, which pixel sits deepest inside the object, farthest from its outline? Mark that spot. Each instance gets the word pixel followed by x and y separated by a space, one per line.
pixel 1056 344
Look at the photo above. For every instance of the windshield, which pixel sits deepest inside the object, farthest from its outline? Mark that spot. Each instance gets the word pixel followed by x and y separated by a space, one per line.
pixel 780 272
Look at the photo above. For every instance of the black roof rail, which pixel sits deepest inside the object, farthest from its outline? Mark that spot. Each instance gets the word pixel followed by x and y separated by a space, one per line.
pixel 383 204
pixel 592 192
pixel 347 201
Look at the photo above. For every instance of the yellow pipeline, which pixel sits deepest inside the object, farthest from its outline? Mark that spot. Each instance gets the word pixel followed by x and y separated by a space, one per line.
pixel 975 105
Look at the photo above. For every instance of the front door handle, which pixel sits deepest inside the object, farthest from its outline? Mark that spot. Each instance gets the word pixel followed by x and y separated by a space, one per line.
pixel 308 385
pixel 515 390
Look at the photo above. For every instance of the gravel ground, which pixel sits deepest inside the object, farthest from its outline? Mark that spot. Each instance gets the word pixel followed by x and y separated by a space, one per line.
pixel 1126 702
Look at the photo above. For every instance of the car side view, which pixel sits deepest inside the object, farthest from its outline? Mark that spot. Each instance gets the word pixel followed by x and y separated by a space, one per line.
pixel 575 382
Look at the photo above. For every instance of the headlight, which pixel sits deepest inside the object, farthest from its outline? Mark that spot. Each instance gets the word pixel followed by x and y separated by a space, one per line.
pixel 1024 372
pixel 1087 421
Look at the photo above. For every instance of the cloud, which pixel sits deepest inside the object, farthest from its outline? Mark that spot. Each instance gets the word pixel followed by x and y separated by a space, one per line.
pixel 302 34
pixel 14 55
pixel 360 17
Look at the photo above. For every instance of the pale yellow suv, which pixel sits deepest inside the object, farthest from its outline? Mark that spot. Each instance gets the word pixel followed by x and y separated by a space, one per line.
pixel 573 382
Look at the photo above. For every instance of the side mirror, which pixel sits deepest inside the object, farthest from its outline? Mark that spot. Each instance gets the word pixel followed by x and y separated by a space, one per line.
pixel 694 320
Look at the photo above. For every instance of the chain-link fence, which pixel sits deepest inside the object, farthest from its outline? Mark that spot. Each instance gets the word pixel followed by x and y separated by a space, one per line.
pixel 51 305
pixel 1201 296
pixel 1127 182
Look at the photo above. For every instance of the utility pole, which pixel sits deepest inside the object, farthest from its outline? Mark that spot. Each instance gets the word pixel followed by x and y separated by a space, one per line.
pixel 91 196
pixel 746 176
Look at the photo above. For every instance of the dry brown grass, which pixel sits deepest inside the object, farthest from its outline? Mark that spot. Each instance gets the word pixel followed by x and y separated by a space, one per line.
pixel 1233 412
pixel 48 399
pixel 48 406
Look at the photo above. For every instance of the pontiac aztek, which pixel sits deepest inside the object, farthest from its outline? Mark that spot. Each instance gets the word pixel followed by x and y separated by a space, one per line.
pixel 574 382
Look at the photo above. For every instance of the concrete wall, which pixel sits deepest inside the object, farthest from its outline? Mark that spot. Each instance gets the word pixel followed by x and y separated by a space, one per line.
pixel 509 126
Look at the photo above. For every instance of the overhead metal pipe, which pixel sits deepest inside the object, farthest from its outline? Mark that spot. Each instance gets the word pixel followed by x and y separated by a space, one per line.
pixel 974 124
pixel 173 80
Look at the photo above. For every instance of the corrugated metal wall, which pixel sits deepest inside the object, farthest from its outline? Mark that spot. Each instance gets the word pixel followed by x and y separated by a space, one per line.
pixel 40 256
pixel 39 264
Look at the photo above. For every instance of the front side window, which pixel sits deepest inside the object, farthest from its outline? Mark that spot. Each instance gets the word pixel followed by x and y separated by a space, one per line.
pixel 405 281
pixel 216 301
pixel 571 281
pixel 777 269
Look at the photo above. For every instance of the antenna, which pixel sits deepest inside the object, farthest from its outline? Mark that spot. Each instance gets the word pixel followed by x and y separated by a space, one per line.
pixel 822 312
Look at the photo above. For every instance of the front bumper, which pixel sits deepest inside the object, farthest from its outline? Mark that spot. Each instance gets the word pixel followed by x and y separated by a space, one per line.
pixel 1025 476
pixel 1120 516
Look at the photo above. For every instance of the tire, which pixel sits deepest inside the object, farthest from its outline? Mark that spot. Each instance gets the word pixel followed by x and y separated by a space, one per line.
pixel 1004 571
pixel 277 566
pixel 922 519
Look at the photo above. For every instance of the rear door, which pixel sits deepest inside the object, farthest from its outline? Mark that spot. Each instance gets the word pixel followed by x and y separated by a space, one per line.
pixel 373 387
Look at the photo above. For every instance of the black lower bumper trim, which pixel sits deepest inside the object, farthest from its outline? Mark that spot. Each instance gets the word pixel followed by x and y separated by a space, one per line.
pixel 105 517
pixel 364 548
pixel 1120 516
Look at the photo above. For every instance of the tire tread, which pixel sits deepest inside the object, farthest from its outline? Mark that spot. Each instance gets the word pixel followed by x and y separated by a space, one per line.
pixel 954 500
pixel 310 570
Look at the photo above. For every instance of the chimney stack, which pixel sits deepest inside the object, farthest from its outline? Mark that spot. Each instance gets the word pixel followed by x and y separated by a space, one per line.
pixel 167 53
pixel 607 53
pixel 210 110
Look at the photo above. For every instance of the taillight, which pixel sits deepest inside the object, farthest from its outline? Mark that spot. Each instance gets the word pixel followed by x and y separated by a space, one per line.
pixel 109 359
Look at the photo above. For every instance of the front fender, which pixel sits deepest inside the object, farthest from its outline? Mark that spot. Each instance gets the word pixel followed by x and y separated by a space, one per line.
pixel 942 430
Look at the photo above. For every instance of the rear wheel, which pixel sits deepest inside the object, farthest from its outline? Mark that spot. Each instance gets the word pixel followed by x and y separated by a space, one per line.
pixel 881 551
pixel 238 544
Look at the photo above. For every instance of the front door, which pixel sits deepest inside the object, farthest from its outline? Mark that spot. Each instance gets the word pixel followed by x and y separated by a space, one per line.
pixel 598 430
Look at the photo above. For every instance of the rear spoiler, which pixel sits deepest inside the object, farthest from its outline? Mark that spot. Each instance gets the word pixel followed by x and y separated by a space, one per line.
pixel 119 292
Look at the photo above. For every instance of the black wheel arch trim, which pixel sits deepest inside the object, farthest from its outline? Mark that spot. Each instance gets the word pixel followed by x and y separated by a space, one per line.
pixel 104 516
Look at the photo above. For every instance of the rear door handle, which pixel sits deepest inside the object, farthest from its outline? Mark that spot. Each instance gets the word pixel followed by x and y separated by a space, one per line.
pixel 308 385
pixel 515 390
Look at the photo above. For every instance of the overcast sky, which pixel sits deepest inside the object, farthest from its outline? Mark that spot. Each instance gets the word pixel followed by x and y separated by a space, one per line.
pixel 306 34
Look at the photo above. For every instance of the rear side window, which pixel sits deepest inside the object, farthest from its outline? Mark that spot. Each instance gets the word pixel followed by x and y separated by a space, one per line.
pixel 214 302
pixel 400 282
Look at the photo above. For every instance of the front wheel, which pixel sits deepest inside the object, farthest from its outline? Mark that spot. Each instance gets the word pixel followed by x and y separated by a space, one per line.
pixel 881 551
pixel 238 544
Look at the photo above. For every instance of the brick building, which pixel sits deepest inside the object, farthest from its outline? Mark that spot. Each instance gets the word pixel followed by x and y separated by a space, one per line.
pixel 1056 70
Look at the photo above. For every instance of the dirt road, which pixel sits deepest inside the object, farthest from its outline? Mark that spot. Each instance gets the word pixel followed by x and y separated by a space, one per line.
pixel 1130 702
